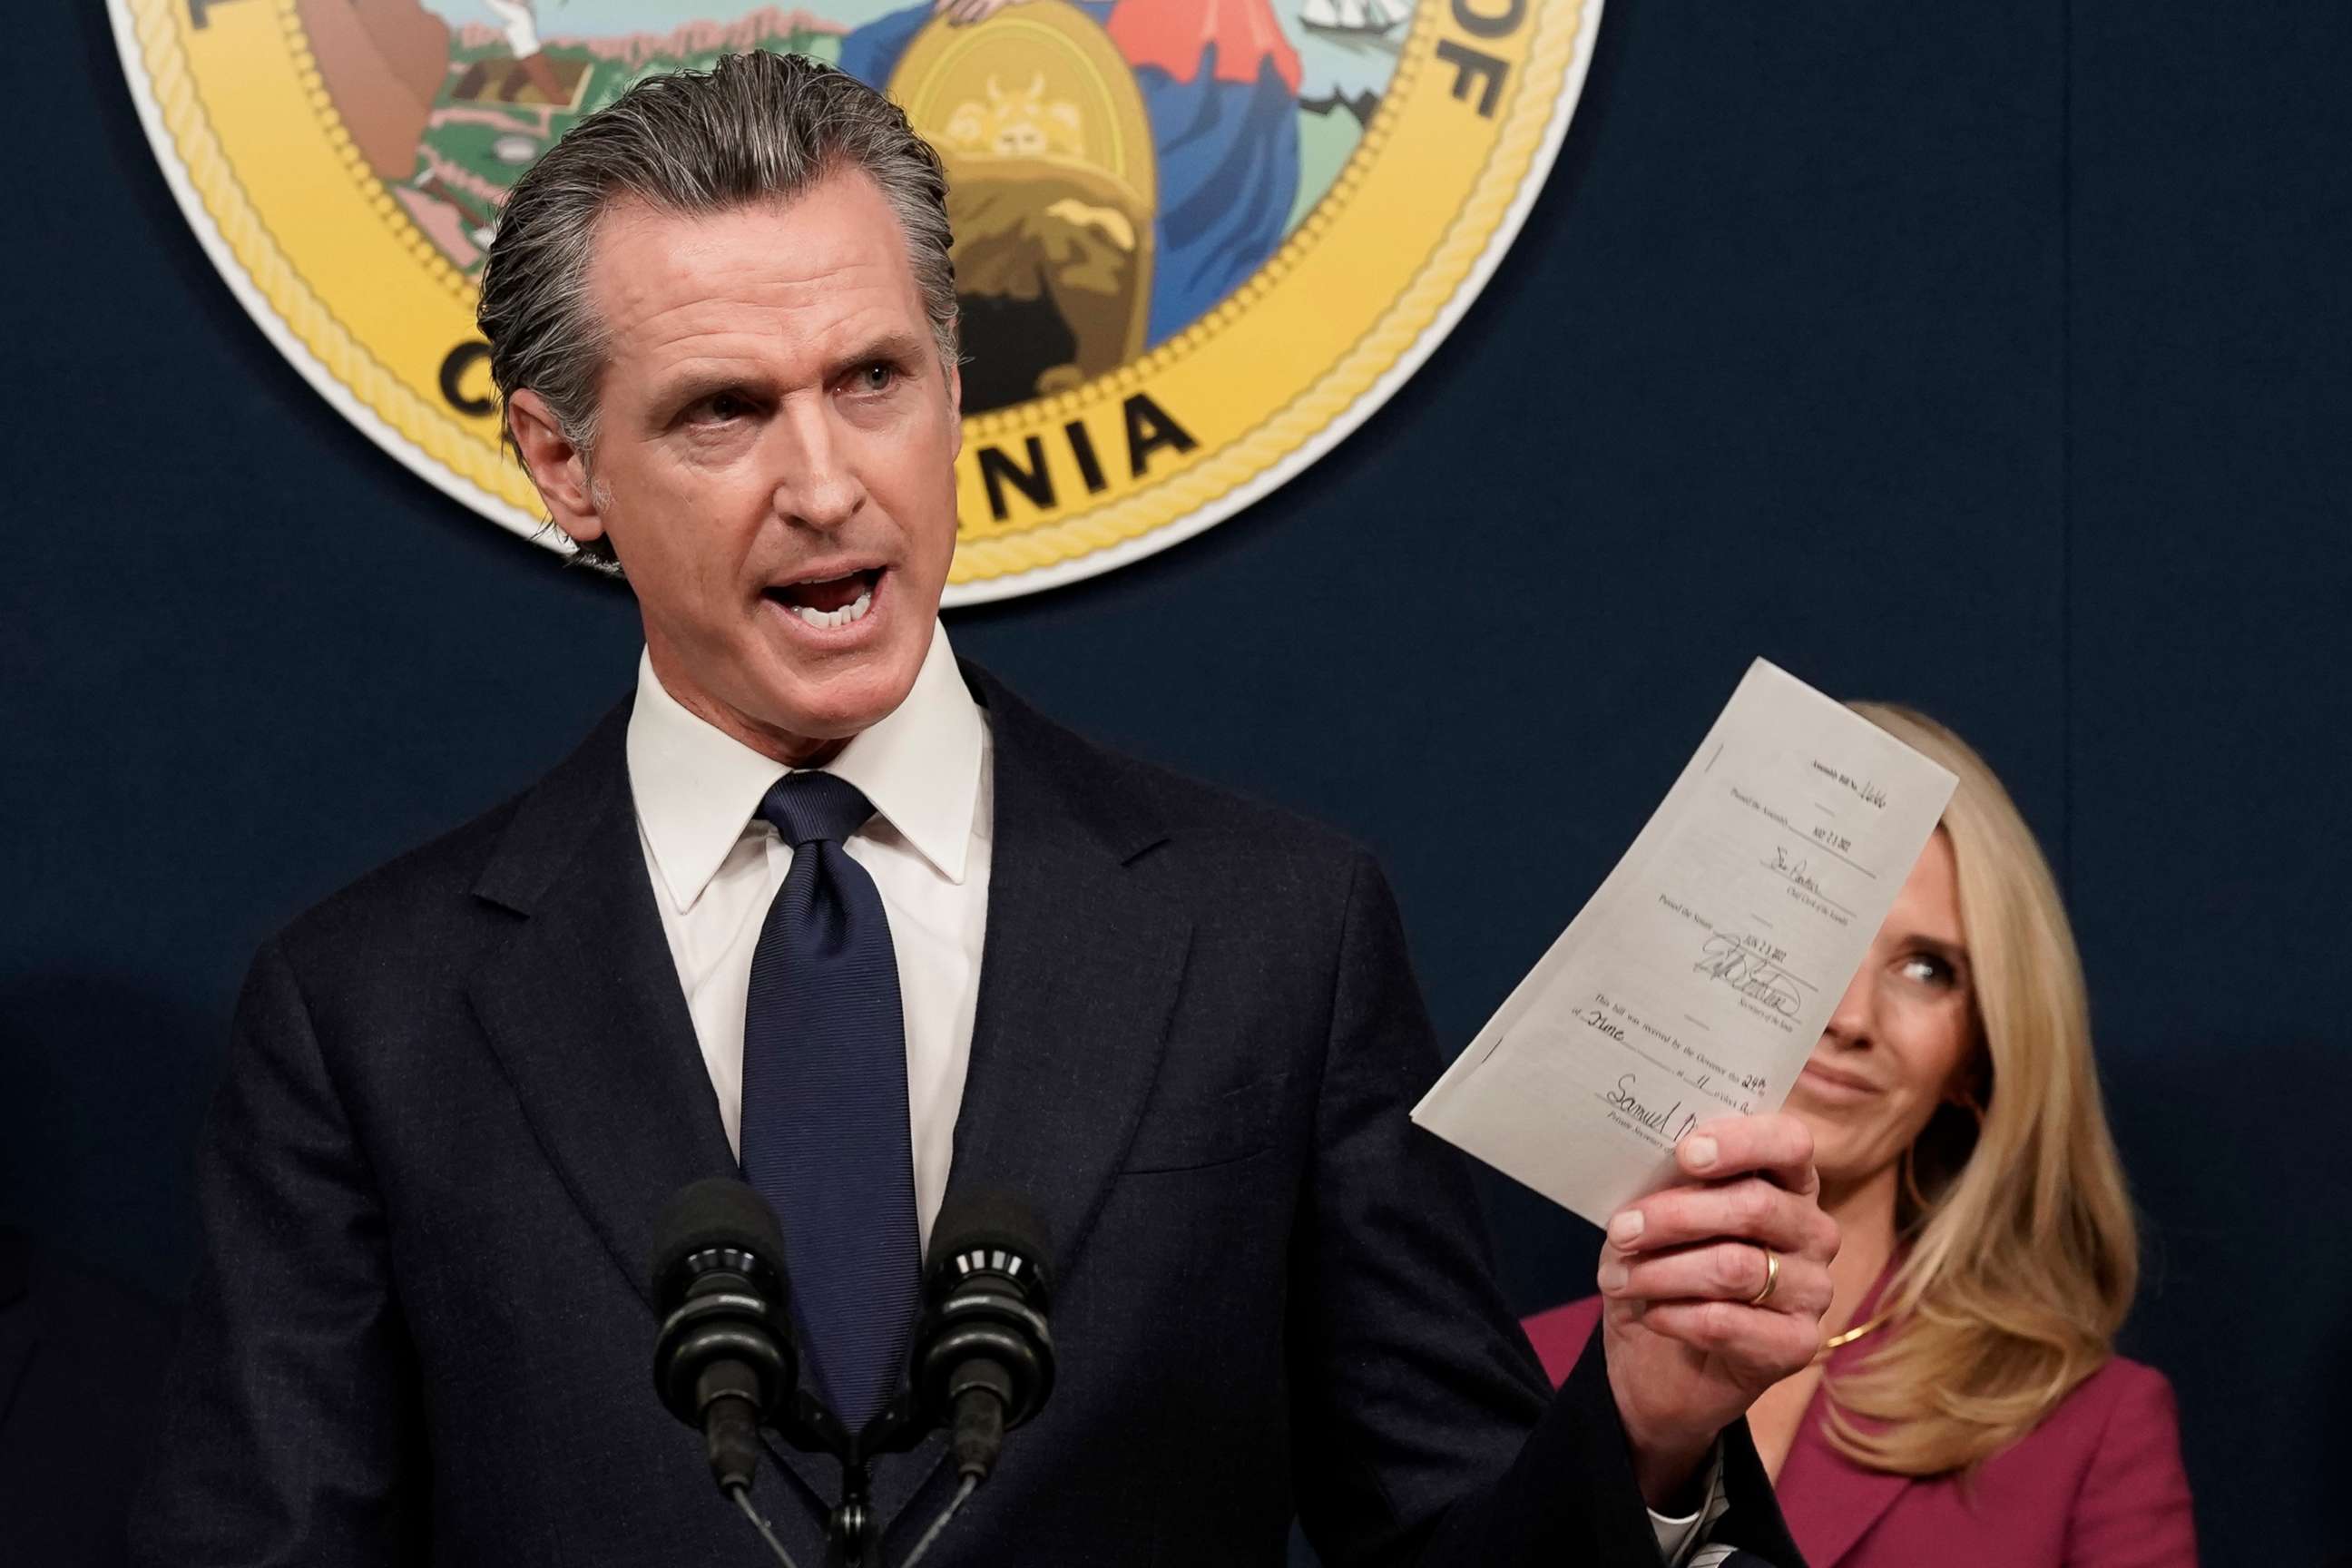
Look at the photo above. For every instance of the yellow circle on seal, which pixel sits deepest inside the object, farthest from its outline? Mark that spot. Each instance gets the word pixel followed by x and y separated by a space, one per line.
pixel 1197 241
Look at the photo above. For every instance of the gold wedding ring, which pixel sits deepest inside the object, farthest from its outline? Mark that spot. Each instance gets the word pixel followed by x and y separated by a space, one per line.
pixel 1771 1277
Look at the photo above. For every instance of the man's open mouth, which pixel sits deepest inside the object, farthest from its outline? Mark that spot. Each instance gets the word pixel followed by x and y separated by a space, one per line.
pixel 828 602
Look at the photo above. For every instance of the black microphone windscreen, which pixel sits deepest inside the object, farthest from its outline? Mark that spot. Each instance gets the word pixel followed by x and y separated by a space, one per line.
pixel 992 1221
pixel 720 1211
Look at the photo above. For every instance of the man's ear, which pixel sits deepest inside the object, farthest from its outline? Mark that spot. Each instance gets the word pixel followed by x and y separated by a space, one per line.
pixel 955 412
pixel 557 468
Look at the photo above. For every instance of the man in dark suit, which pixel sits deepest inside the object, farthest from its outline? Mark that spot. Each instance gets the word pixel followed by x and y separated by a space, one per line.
pixel 741 929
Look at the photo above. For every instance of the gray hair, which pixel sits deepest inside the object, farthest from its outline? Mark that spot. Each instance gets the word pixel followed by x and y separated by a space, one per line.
pixel 755 127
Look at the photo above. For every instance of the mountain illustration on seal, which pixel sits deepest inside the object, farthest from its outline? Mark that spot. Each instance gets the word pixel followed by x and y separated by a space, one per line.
pixel 1116 167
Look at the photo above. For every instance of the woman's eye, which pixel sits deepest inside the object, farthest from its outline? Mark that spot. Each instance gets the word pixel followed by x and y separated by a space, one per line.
pixel 1925 969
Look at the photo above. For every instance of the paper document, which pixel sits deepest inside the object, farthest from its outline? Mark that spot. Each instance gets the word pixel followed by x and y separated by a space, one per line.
pixel 1696 981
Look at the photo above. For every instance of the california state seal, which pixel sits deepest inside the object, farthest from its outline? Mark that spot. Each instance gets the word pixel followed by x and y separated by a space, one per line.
pixel 1196 241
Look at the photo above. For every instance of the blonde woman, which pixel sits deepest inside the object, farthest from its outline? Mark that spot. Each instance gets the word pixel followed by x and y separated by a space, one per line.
pixel 1968 1410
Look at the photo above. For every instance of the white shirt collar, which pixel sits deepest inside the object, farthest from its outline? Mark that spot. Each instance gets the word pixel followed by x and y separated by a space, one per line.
pixel 696 787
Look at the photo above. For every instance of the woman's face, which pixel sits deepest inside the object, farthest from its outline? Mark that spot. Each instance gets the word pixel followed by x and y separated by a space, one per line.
pixel 1900 1041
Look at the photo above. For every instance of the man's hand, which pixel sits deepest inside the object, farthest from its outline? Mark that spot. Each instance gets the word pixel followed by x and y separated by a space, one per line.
pixel 1690 1343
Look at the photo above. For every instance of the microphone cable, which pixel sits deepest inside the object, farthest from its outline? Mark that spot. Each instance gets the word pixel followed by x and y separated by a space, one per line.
pixel 742 1495
pixel 971 1484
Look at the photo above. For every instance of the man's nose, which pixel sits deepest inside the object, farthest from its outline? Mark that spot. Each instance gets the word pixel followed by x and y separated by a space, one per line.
pixel 817 485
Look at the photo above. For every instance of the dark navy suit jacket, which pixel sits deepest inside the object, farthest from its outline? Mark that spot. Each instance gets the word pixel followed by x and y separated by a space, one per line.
pixel 461 1090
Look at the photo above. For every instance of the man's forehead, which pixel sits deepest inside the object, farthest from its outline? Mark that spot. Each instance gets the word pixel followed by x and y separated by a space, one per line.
pixel 834 240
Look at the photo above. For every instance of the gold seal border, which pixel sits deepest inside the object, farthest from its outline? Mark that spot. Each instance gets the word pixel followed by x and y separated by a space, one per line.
pixel 342 357
pixel 395 218
pixel 1526 129
pixel 1181 501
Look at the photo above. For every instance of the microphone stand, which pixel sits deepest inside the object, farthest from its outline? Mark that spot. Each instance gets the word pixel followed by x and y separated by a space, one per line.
pixel 852 1535
pixel 854 1532
pixel 851 1530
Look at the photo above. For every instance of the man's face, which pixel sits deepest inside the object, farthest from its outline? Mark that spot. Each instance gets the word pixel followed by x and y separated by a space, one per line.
pixel 774 458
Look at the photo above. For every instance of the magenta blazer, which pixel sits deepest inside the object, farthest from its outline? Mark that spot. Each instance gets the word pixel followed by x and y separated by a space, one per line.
pixel 2097 1485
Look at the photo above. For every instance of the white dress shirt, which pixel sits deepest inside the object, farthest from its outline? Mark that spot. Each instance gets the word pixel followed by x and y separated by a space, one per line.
pixel 716 868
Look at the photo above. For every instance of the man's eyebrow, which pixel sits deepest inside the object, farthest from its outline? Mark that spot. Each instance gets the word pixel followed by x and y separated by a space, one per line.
pixel 687 387
pixel 903 350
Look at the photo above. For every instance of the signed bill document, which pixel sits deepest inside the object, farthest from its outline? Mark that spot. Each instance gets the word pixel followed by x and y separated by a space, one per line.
pixel 1696 981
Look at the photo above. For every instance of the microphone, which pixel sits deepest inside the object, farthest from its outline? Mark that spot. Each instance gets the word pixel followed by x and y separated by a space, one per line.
pixel 983 1359
pixel 724 1361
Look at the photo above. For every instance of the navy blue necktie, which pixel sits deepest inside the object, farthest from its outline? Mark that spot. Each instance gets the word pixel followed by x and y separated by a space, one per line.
pixel 824 1134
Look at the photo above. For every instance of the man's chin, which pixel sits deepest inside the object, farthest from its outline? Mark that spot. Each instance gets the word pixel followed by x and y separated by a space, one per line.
pixel 841 698
pixel 792 690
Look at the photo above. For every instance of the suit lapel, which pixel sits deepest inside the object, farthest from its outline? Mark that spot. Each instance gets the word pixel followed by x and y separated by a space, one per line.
pixel 583 1010
pixel 1829 1501
pixel 1078 981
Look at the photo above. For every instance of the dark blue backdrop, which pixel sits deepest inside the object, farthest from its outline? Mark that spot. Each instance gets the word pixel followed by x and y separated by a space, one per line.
pixel 1992 357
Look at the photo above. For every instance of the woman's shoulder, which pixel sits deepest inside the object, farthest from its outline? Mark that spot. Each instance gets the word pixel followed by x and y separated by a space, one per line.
pixel 2121 1396
pixel 2113 1440
pixel 1559 1334
pixel 2113 1447
pixel 2132 1379
pixel 2124 1413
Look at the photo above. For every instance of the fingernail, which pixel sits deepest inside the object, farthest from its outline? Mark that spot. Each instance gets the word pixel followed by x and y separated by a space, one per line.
pixel 1612 1276
pixel 1626 1228
pixel 1698 1151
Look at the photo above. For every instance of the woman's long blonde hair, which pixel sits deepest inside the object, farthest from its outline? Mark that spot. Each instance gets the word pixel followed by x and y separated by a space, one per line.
pixel 2019 1255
